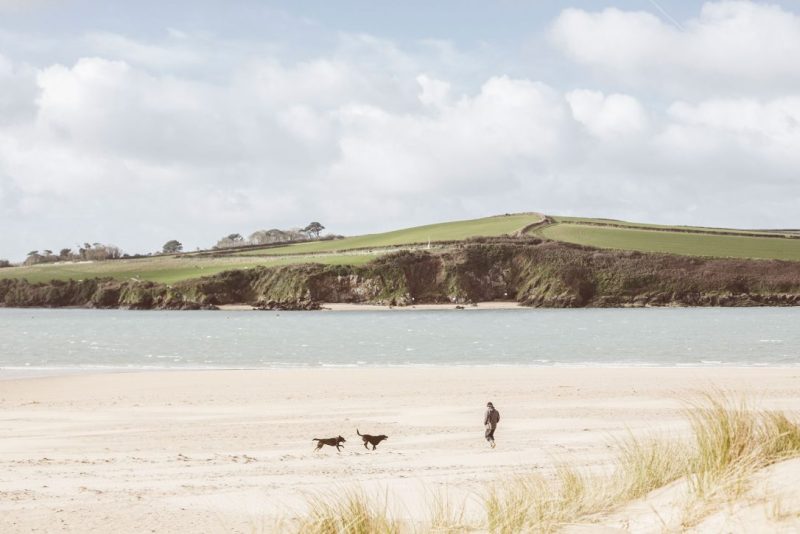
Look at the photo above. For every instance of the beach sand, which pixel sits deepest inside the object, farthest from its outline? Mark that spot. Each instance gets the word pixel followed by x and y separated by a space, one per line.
pixel 346 306
pixel 231 451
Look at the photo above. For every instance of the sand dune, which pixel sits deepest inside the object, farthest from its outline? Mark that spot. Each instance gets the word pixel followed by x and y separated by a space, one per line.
pixel 231 451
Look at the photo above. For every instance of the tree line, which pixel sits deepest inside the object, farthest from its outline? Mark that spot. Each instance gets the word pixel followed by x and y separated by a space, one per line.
pixel 101 252
pixel 267 237
pixel 86 252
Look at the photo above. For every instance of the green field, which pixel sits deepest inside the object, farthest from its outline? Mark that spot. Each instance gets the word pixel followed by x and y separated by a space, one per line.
pixel 165 269
pixel 449 231
pixel 691 244
pixel 592 232
pixel 169 269
pixel 704 229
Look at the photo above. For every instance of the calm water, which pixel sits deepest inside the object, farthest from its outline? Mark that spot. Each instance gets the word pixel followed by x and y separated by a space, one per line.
pixel 90 339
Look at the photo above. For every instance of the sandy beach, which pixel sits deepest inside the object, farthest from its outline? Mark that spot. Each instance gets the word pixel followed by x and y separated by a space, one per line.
pixel 346 306
pixel 231 451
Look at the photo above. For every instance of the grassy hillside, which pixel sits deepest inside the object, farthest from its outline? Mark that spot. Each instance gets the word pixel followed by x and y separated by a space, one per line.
pixel 170 269
pixel 677 228
pixel 601 233
pixel 662 239
pixel 449 231
pixel 164 269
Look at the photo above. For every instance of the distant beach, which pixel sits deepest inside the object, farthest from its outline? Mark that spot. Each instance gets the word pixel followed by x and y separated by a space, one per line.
pixel 344 306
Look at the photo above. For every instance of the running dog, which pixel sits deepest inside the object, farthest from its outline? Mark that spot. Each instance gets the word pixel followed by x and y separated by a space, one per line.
pixel 372 440
pixel 333 442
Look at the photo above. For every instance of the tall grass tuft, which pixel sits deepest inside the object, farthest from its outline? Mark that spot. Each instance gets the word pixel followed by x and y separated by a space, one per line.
pixel 353 512
pixel 447 517
pixel 535 504
pixel 732 440
pixel 644 465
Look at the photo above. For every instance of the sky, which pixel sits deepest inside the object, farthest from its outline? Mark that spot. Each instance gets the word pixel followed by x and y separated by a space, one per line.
pixel 133 123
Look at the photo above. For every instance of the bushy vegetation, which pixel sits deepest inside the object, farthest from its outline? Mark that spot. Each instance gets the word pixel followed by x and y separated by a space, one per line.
pixel 88 252
pixel 273 236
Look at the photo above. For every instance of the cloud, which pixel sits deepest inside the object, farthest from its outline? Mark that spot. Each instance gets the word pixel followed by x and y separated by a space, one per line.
pixel 17 97
pixel 731 47
pixel 607 117
pixel 176 54
pixel 120 145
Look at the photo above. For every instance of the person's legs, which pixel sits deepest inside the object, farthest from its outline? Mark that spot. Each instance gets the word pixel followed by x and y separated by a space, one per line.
pixel 490 436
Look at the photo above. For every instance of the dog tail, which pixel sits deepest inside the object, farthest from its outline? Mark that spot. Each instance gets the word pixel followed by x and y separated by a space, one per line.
pixel 314 439
pixel 359 433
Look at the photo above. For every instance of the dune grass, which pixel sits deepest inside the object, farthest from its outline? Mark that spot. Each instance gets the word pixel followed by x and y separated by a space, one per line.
pixel 533 503
pixel 350 512
pixel 688 244
pixel 449 231
pixel 729 442
pixel 732 441
pixel 447 517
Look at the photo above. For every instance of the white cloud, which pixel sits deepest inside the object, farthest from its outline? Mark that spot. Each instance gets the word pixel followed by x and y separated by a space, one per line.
pixel 122 146
pixel 18 91
pixel 732 47
pixel 177 53
pixel 433 92
pixel 607 117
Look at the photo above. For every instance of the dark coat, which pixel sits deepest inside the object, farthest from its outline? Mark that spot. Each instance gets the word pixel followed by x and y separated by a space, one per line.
pixel 491 418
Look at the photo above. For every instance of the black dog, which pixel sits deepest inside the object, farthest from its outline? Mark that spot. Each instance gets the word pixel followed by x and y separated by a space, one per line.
pixel 372 440
pixel 333 442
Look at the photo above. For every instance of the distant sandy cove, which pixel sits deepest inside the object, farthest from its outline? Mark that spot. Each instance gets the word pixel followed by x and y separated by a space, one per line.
pixel 231 451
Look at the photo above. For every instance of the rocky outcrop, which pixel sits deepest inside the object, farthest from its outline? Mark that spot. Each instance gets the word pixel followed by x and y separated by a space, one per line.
pixel 531 271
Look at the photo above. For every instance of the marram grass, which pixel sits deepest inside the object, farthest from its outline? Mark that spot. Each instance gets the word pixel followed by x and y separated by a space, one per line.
pixel 348 512
pixel 728 443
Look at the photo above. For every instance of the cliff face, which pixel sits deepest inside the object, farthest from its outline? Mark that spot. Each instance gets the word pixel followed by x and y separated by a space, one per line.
pixel 532 272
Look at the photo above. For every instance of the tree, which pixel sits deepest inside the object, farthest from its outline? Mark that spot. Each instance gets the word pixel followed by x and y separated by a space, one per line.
pixel 314 228
pixel 173 246
pixel 4 263
pixel 65 253
pixel 230 241
pixel 48 252
pixel 33 258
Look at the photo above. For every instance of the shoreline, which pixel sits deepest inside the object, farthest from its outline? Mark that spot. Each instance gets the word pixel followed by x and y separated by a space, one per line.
pixel 347 306
pixel 10 373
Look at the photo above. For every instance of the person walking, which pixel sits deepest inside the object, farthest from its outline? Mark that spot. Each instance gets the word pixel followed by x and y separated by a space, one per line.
pixel 490 421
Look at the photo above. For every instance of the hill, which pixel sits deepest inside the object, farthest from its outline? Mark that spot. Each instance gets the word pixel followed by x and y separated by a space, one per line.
pixel 528 270
pixel 684 240
pixel 348 251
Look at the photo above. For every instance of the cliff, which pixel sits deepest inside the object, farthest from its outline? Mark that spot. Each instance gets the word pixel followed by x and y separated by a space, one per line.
pixel 528 270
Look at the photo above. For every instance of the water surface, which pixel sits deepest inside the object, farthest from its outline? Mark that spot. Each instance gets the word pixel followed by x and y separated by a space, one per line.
pixel 48 340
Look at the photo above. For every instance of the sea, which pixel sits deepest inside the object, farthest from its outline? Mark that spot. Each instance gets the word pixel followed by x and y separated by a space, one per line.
pixel 55 341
